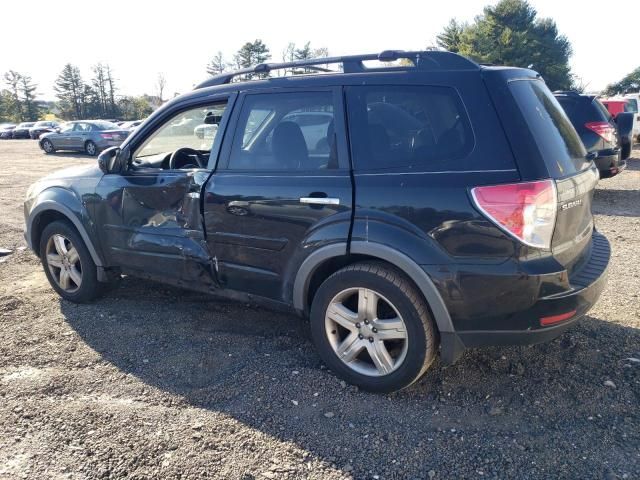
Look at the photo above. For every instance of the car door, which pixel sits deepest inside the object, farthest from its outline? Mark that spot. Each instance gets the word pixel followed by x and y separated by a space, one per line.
pixel 150 215
pixel 278 195
pixel 78 135
pixel 61 140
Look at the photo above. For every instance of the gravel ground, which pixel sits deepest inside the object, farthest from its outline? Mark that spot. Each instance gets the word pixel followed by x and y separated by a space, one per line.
pixel 156 382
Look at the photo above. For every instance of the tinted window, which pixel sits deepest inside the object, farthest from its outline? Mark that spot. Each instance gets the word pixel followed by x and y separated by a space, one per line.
pixel 631 106
pixel 555 136
pixel 285 131
pixel 410 127
pixel 105 126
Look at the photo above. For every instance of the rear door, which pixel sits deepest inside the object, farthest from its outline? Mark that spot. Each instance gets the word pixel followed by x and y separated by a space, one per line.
pixel 283 188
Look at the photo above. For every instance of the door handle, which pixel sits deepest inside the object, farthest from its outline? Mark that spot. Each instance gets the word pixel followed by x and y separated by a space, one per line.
pixel 320 201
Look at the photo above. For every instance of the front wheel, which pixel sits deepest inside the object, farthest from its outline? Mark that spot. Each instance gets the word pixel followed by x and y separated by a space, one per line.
pixel 47 146
pixel 68 264
pixel 90 148
pixel 372 327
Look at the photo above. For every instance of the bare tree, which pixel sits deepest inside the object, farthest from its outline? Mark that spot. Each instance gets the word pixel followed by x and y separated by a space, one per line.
pixel 217 65
pixel 161 83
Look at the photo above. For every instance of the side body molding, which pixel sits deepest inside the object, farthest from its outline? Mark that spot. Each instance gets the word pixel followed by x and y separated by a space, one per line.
pixel 58 206
pixel 403 262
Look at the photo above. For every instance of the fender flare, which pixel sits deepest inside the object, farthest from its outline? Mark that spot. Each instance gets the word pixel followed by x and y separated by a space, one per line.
pixel 383 252
pixel 48 205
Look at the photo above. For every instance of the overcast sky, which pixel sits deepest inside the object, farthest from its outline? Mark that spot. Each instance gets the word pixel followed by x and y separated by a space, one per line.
pixel 141 38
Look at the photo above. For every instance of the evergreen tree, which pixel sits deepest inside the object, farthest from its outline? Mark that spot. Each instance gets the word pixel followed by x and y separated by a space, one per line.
pixel 509 33
pixel 70 90
pixel 252 54
pixel 629 83
pixel 451 37
pixel 14 105
pixel 30 109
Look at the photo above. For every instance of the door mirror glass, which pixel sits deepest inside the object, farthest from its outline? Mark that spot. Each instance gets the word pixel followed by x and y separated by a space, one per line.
pixel 109 160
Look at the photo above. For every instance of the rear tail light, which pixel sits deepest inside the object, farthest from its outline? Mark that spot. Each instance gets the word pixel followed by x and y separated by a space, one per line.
pixel 524 210
pixel 604 129
pixel 107 136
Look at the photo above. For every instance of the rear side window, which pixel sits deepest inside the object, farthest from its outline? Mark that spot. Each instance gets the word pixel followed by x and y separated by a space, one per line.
pixel 421 128
pixel 555 136
pixel 285 132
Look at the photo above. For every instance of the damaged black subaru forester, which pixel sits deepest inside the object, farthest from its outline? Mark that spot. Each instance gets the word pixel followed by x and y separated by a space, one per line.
pixel 405 208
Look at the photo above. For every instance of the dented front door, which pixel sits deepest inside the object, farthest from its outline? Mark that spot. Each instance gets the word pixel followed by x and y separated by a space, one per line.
pixel 151 225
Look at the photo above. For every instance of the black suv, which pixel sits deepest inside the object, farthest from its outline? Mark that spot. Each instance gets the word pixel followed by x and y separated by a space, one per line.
pixel 403 209
pixel 597 130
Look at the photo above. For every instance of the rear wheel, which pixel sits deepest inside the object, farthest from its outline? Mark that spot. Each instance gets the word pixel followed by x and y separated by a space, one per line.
pixel 47 146
pixel 372 327
pixel 68 264
pixel 90 148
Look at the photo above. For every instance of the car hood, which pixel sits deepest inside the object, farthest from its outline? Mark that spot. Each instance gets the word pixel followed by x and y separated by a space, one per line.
pixel 80 179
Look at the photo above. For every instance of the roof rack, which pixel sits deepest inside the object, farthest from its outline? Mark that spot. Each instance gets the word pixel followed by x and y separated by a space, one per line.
pixel 567 92
pixel 422 60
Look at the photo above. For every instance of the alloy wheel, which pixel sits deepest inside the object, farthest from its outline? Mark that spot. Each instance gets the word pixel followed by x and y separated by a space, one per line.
pixel 64 263
pixel 366 332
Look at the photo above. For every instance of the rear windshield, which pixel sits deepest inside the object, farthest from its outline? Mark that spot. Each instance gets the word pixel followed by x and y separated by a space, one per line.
pixel 555 136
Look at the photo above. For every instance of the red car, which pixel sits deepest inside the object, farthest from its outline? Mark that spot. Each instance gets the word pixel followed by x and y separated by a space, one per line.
pixel 616 106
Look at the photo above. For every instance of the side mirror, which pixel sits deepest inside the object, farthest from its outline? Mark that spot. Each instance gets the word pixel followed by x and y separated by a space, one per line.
pixel 58 129
pixel 109 160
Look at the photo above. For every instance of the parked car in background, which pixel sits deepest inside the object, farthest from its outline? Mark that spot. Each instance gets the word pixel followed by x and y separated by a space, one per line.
pixel 131 126
pixel 596 128
pixel 89 136
pixel 617 105
pixel 42 127
pixel 22 130
pixel 634 106
pixel 6 130
pixel 407 211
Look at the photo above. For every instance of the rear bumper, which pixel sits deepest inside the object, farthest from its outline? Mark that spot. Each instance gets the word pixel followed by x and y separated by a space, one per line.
pixel 586 286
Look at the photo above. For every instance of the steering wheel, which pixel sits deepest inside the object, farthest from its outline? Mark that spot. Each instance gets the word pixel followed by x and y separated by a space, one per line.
pixel 184 151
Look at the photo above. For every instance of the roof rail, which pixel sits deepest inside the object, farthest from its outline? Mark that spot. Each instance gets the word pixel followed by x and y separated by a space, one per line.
pixel 567 92
pixel 422 60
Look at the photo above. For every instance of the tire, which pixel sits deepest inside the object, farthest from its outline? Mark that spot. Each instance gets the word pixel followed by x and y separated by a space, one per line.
pixel 47 146
pixel 76 289
pixel 369 295
pixel 90 148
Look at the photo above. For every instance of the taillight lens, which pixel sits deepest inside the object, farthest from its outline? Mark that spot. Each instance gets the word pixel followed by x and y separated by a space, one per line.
pixel 109 136
pixel 604 129
pixel 525 210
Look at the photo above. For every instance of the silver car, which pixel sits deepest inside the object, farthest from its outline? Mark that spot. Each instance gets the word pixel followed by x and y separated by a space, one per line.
pixel 89 136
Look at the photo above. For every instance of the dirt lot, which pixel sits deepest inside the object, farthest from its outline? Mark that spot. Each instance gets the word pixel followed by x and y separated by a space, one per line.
pixel 155 382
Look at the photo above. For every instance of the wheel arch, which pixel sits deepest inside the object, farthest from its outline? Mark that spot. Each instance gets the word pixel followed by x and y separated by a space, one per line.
pixel 49 210
pixel 326 260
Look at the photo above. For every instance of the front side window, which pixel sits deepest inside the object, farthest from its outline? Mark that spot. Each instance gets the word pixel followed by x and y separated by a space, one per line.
pixel 285 131
pixel 193 129
pixel 421 128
